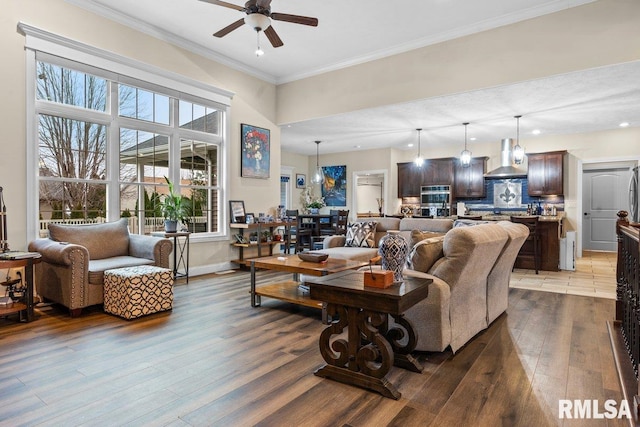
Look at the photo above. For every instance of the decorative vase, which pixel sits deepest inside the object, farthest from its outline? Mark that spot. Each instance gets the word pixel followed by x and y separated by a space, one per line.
pixel 394 249
pixel 314 211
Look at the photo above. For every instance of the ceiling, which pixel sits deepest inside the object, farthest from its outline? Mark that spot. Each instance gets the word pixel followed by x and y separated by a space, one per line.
pixel 351 32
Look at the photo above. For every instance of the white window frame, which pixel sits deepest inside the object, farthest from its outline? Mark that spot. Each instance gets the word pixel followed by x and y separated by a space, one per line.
pixel 127 71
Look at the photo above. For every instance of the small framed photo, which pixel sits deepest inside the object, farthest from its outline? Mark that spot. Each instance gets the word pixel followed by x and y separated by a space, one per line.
pixel 236 209
pixel 249 218
pixel 301 180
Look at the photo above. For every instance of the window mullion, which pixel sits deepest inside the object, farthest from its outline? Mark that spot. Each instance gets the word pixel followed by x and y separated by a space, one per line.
pixel 113 155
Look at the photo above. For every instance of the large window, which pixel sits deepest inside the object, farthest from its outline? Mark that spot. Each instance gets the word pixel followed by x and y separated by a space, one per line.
pixel 98 137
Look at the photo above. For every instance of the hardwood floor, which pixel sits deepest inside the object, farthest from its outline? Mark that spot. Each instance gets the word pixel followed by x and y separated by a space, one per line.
pixel 214 360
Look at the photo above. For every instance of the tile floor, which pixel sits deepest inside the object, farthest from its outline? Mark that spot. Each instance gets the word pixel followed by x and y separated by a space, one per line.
pixel 595 276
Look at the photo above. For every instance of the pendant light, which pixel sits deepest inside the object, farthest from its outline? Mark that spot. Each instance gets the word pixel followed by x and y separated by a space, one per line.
pixel 518 151
pixel 317 177
pixel 465 156
pixel 419 160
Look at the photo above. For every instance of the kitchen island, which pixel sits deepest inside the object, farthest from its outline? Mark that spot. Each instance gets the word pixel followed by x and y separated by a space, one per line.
pixel 551 230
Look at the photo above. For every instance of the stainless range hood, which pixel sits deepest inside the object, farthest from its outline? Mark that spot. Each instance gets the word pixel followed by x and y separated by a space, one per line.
pixel 507 168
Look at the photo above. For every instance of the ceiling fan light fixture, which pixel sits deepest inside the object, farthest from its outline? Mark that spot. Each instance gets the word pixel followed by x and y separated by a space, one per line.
pixel 257 21
pixel 518 151
pixel 419 160
pixel 465 156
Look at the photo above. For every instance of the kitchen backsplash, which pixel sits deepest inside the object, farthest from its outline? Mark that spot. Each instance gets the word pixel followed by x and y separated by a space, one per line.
pixel 509 194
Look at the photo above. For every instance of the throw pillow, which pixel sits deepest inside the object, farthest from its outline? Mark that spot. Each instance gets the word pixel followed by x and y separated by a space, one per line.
pixel 361 234
pixel 418 236
pixel 425 253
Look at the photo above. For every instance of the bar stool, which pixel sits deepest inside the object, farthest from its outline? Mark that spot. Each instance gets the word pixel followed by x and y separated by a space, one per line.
pixel 530 250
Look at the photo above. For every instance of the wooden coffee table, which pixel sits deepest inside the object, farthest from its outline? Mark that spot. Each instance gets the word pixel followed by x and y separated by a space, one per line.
pixel 290 290
pixel 373 343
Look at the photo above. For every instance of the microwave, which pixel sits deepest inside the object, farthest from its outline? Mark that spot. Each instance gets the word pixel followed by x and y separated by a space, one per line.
pixel 435 195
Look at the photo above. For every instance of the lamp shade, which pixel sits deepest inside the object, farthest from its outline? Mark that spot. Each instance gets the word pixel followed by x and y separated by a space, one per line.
pixel 257 21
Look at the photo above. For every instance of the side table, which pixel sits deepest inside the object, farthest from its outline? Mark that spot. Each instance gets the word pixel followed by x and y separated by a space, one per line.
pixel 180 252
pixel 373 343
pixel 24 307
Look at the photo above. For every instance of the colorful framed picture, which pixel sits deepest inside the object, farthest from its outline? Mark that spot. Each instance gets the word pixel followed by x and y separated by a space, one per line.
pixel 301 180
pixel 255 157
pixel 334 185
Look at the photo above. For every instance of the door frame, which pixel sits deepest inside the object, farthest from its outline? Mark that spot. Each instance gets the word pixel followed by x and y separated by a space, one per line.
pixel 354 198
pixel 579 189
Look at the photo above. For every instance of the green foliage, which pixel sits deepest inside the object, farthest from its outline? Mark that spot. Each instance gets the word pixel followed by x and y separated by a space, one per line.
pixel 174 206
pixel 125 213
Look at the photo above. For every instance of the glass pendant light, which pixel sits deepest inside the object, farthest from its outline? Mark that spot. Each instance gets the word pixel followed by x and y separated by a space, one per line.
pixel 317 177
pixel 419 160
pixel 518 151
pixel 465 156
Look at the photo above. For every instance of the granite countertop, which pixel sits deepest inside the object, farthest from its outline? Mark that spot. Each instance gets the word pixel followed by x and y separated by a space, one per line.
pixel 502 217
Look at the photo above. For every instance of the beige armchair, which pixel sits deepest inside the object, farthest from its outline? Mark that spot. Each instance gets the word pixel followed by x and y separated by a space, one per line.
pixel 74 259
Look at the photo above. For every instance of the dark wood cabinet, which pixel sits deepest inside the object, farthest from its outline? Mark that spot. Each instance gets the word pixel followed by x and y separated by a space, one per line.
pixel 432 172
pixel 438 172
pixel 550 248
pixel 469 181
pixel 409 180
pixel 546 173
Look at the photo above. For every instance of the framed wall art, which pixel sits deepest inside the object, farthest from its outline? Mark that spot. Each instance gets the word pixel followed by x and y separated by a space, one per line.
pixel 255 157
pixel 334 185
pixel 301 180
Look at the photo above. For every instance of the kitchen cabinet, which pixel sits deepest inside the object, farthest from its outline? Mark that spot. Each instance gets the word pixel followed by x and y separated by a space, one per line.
pixel 409 180
pixel 550 247
pixel 546 173
pixel 432 172
pixel 438 172
pixel 469 181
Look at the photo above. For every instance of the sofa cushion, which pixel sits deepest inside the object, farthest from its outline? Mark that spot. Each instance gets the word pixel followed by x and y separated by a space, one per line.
pixel 101 240
pixel 383 225
pixel 98 267
pixel 425 253
pixel 418 236
pixel 350 253
pixel 361 234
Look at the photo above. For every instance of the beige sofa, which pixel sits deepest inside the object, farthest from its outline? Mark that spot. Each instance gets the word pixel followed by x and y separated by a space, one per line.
pixel 335 245
pixel 74 259
pixel 470 284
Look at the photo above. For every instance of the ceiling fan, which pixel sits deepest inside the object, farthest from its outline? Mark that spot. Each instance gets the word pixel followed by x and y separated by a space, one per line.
pixel 259 18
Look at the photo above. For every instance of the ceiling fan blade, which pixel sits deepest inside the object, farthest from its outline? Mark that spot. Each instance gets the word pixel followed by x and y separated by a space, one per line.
pixel 225 4
pixel 296 19
pixel 226 30
pixel 273 37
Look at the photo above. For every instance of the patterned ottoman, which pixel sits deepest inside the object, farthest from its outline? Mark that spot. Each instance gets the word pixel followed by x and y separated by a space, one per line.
pixel 132 292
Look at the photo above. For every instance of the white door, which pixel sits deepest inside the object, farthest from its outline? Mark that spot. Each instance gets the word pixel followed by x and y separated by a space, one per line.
pixel 604 193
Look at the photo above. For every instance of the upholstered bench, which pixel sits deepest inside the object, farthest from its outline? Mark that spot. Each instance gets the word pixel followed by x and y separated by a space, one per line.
pixel 131 292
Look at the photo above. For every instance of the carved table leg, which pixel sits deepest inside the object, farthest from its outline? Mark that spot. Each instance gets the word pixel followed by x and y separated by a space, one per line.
pixel 365 358
pixel 403 358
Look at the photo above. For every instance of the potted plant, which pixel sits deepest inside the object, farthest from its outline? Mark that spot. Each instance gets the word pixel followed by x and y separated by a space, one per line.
pixel 174 208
